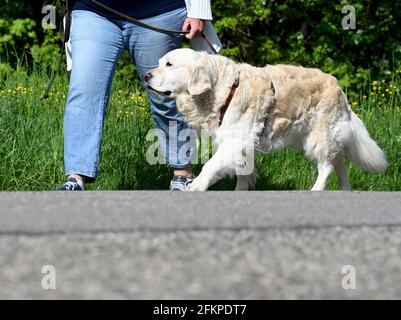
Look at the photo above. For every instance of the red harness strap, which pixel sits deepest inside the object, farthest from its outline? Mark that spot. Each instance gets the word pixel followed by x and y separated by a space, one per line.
pixel 229 98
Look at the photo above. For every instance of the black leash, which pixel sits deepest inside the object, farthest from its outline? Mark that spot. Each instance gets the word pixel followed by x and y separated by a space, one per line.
pixel 137 22
pixel 53 77
pixel 150 27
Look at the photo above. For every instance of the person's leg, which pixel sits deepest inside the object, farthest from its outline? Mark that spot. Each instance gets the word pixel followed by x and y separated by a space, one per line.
pixel 146 48
pixel 97 45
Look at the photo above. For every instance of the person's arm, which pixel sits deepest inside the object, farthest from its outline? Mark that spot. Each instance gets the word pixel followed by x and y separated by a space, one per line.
pixel 197 12
pixel 199 9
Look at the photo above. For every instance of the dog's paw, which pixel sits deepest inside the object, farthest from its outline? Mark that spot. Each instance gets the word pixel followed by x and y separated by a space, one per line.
pixel 190 188
pixel 195 186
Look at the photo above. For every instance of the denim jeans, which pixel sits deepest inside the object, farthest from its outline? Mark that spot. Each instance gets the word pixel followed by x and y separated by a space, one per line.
pixel 97 45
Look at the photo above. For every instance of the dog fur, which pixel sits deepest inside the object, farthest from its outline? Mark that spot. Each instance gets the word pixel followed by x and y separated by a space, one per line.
pixel 290 105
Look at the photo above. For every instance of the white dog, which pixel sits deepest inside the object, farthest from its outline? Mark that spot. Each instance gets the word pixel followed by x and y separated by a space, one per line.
pixel 263 109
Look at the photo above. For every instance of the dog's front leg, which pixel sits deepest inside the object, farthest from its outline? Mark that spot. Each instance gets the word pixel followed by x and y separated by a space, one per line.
pixel 231 157
pixel 219 165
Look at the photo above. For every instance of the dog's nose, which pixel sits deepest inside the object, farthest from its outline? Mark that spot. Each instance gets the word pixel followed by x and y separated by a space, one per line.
pixel 147 76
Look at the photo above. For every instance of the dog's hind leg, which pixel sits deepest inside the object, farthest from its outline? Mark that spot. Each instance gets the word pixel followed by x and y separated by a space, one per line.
pixel 325 168
pixel 242 183
pixel 246 181
pixel 316 148
pixel 341 172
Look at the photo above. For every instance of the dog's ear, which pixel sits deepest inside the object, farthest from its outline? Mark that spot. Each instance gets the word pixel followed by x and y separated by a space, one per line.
pixel 200 82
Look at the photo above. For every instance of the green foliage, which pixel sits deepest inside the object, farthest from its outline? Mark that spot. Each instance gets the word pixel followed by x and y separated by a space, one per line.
pixel 17 30
pixel 310 33
pixel 46 55
pixel 22 38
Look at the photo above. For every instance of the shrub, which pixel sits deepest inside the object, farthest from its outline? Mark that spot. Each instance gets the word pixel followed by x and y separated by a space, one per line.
pixel 310 33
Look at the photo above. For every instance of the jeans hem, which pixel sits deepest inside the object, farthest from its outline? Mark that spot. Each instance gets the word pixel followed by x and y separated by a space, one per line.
pixel 89 178
pixel 179 166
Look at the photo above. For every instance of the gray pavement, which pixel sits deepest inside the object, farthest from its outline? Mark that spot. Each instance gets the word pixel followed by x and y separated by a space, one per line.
pixel 226 245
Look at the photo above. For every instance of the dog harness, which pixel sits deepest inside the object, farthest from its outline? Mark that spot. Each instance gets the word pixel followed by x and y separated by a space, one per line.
pixel 229 98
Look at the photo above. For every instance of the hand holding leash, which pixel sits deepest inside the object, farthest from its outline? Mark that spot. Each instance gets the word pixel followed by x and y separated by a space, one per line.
pixel 194 27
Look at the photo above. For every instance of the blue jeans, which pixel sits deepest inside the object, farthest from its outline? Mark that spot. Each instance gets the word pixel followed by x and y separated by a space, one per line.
pixel 97 45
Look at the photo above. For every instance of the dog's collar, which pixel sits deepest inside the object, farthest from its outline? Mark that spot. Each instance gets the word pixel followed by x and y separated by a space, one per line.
pixel 229 98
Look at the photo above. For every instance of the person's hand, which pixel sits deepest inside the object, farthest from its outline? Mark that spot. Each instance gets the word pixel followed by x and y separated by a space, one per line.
pixel 195 26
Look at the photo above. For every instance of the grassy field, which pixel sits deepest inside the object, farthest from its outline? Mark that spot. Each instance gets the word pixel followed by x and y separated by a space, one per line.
pixel 31 140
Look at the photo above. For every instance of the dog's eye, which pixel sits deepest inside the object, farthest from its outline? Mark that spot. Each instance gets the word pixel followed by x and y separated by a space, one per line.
pixel 168 64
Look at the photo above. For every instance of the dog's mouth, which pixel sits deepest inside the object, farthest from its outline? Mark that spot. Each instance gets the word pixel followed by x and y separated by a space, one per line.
pixel 163 93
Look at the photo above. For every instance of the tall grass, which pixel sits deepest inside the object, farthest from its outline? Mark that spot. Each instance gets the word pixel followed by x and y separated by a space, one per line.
pixel 31 140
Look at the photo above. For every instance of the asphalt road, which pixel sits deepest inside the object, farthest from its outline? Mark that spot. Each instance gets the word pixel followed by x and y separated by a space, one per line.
pixel 213 245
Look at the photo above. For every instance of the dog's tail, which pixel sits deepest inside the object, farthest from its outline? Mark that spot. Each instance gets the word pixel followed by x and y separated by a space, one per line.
pixel 362 149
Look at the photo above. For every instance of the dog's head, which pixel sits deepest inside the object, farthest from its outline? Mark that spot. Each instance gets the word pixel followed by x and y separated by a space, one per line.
pixel 181 71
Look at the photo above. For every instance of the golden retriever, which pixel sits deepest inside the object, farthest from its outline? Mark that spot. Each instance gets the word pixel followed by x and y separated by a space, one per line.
pixel 273 107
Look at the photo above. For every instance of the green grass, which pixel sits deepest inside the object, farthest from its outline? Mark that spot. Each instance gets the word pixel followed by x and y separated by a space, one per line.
pixel 31 140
